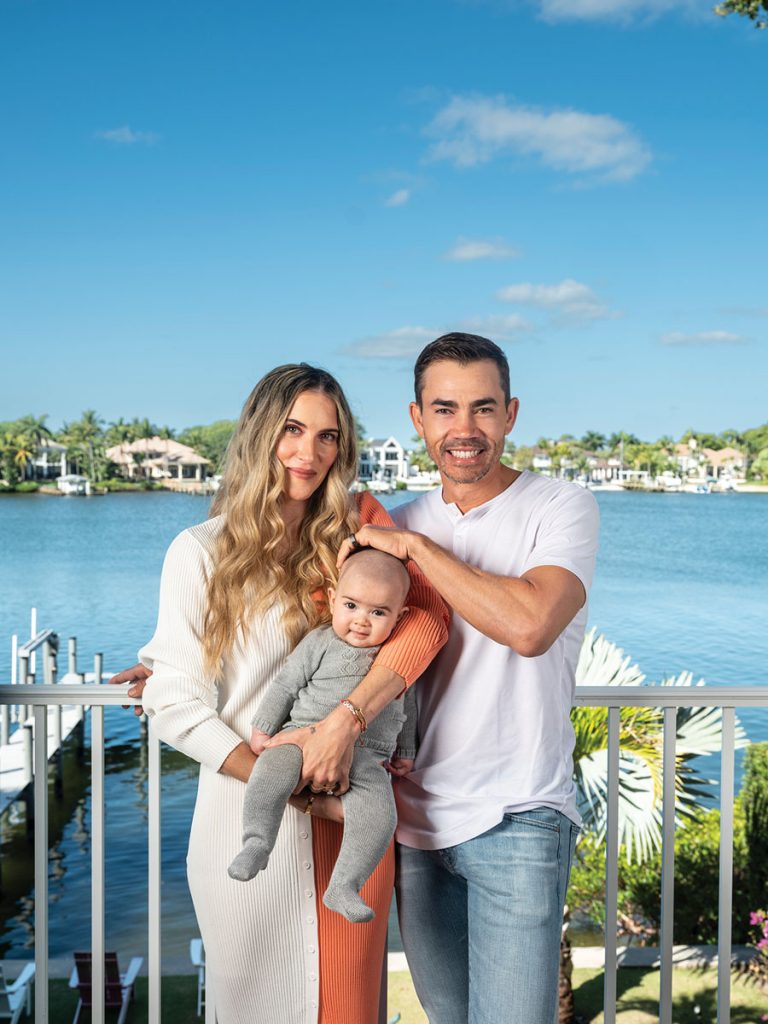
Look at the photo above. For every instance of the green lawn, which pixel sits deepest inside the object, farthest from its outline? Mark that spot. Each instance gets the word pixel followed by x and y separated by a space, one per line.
pixel 638 990
pixel 695 998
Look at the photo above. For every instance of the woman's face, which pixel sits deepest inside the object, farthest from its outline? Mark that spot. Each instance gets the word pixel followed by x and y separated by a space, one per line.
pixel 309 444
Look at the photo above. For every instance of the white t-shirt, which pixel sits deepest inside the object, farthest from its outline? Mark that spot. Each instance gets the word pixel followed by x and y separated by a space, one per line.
pixel 494 727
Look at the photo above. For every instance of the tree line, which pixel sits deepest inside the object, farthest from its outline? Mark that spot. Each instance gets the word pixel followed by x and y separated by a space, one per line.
pixel 87 439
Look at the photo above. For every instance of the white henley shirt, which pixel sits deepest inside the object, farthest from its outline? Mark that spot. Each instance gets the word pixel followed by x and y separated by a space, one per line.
pixel 494 726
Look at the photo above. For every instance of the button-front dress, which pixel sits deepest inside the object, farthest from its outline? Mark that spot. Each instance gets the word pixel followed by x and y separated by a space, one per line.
pixel 274 953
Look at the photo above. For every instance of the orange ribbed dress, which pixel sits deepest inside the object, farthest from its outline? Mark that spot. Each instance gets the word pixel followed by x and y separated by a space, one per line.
pixel 351 955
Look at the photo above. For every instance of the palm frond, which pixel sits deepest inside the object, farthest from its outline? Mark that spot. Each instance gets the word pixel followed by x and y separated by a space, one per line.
pixel 698 732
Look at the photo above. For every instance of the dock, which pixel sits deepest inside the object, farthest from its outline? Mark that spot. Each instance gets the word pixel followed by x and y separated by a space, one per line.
pixel 17 725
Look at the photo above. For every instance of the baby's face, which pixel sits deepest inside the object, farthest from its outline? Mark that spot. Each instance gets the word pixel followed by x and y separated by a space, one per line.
pixel 365 609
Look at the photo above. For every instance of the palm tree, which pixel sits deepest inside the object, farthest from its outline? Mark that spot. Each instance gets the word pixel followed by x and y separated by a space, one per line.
pixel 85 441
pixel 593 441
pixel 641 730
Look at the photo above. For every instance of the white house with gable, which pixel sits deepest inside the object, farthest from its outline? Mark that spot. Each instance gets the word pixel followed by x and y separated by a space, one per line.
pixel 382 459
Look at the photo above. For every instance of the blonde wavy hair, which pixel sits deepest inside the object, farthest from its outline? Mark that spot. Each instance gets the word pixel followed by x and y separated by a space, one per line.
pixel 251 571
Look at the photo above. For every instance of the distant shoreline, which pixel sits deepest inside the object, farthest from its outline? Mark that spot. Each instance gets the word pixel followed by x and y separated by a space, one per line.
pixel 53 492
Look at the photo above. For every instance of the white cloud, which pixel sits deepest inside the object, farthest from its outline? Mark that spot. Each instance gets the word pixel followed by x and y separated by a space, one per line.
pixel 702 338
pixel 399 198
pixel 499 326
pixel 472 130
pixel 615 10
pixel 126 136
pixel 467 249
pixel 571 301
pixel 407 342
pixel 402 343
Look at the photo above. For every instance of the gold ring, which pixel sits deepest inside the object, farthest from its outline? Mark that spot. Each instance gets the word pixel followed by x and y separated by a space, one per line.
pixel 310 801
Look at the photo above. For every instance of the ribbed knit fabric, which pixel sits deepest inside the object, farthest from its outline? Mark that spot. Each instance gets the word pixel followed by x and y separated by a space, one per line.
pixel 351 955
pixel 264 950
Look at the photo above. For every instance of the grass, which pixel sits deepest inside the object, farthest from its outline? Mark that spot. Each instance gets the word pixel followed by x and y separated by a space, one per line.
pixel 695 999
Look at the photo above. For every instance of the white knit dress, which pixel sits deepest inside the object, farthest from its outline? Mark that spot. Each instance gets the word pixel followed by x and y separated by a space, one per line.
pixel 252 933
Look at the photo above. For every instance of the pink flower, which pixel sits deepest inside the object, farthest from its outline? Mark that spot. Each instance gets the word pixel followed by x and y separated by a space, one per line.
pixel 757 917
pixel 762 944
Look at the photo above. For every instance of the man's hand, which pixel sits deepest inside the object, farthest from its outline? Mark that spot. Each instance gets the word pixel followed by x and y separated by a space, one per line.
pixel 327 751
pixel 390 539
pixel 138 675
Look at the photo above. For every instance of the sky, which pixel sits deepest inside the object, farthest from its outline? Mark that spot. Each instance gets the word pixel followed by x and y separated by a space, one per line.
pixel 192 193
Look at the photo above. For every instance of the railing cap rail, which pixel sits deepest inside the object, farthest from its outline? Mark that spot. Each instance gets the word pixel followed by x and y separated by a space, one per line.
pixel 586 696
pixel 755 695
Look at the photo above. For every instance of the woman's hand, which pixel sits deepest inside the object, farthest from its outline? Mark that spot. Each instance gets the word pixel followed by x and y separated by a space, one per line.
pixel 323 806
pixel 326 749
pixel 138 676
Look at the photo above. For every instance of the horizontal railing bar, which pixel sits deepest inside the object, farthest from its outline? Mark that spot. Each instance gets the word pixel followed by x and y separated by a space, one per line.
pixel 586 696
pixel 67 693
pixel 672 696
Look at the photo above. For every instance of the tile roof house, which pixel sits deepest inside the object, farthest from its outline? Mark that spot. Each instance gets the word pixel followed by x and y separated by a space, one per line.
pixel 158 458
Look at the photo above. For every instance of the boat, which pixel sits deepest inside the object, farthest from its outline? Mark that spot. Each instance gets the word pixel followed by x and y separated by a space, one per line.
pixel 72 483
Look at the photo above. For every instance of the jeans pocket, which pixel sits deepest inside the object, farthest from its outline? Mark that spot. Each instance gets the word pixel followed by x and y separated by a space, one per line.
pixel 538 817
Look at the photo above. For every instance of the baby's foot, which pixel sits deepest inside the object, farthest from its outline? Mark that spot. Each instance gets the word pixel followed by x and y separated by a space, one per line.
pixel 249 862
pixel 345 901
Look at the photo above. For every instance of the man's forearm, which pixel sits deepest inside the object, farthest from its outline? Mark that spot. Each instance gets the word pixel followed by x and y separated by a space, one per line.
pixel 525 614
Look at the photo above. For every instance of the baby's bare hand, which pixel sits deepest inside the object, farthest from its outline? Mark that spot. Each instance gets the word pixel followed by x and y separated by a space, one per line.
pixel 401 765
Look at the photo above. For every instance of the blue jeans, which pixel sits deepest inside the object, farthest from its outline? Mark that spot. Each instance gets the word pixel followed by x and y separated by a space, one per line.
pixel 481 921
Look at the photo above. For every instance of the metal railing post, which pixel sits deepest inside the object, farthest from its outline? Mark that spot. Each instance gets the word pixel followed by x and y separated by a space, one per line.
pixel 725 896
pixel 667 865
pixel 41 864
pixel 612 867
pixel 97 863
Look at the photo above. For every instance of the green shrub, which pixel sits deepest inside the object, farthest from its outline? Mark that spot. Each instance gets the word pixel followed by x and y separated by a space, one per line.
pixel 27 487
pixel 754 797
pixel 697 861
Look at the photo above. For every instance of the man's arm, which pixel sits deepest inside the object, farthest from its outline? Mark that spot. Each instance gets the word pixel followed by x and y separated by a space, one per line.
pixel 527 613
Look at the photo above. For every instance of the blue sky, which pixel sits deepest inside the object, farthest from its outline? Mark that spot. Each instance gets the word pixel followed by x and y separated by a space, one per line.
pixel 191 193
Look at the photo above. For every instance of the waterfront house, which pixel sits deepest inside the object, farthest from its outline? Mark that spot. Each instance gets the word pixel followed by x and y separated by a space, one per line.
pixel 49 461
pixel 725 463
pixel 382 459
pixel 159 458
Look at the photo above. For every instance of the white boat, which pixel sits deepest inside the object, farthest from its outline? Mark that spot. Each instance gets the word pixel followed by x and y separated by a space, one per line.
pixel 72 483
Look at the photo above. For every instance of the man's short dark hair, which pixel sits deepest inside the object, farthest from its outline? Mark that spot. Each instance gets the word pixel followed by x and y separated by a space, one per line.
pixel 463 349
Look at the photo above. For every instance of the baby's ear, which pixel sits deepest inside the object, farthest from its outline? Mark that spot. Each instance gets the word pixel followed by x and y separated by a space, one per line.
pixel 402 612
pixel 331 597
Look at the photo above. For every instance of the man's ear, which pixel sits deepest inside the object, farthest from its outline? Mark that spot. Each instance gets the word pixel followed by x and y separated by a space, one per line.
pixel 416 418
pixel 402 612
pixel 512 410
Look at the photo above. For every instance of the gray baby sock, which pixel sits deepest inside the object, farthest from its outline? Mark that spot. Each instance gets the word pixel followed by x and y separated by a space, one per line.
pixel 272 781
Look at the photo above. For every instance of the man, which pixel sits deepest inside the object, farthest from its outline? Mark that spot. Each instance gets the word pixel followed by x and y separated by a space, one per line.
pixel 487 818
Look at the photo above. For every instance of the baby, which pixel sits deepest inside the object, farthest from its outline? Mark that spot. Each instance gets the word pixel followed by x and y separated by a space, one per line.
pixel 322 671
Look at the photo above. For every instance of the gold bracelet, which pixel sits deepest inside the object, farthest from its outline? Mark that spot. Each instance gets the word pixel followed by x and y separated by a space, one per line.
pixel 310 801
pixel 357 712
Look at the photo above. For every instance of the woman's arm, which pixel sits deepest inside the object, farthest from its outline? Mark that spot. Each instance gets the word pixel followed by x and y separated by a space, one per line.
pixel 180 698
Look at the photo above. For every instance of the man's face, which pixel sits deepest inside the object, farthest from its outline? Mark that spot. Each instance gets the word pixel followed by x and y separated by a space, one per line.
pixel 463 418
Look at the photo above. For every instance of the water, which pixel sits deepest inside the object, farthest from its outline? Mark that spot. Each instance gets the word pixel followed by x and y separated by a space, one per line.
pixel 681 584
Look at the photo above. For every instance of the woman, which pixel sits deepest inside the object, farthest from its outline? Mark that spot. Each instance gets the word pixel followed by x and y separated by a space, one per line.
pixel 237 593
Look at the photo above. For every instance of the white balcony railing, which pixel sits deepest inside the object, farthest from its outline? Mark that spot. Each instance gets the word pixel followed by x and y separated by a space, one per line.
pixel 42 697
